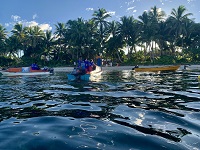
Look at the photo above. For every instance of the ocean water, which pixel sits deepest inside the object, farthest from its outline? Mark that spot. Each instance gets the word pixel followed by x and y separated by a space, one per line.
pixel 118 110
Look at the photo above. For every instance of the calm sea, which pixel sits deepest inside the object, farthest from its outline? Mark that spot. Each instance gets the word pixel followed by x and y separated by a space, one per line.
pixel 119 110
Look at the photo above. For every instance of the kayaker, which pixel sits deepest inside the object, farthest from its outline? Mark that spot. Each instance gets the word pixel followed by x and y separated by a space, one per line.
pixel 91 65
pixel 99 61
pixel 83 67
pixel 136 66
pixel 34 66
pixel 87 65
pixel 79 62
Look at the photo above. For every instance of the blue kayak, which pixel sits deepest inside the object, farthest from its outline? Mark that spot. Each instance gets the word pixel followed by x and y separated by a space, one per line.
pixel 86 77
pixel 72 77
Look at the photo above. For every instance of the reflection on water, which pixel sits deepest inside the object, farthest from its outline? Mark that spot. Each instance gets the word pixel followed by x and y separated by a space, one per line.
pixel 119 110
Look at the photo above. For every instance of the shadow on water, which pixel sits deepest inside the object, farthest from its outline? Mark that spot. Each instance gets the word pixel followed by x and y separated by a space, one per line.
pixel 158 109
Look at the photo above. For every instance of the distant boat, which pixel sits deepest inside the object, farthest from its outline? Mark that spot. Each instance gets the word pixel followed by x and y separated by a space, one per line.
pixel 85 77
pixel 155 69
pixel 25 71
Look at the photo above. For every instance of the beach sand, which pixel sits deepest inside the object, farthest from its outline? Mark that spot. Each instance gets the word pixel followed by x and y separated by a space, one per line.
pixel 119 68
pixel 68 69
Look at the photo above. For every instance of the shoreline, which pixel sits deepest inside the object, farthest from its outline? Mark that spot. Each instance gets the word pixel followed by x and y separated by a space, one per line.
pixel 67 69
pixel 120 68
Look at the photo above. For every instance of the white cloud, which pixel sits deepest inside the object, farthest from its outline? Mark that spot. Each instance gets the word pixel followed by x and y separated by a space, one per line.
pixel 7 24
pixel 159 10
pixel 130 8
pixel 112 13
pixel 89 9
pixel 134 11
pixel 15 17
pixel 190 1
pixel 29 24
pixel 130 2
pixel 35 16
pixel 118 17
pixel 45 27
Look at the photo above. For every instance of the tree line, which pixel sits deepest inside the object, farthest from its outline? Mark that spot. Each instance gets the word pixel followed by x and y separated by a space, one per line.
pixel 152 38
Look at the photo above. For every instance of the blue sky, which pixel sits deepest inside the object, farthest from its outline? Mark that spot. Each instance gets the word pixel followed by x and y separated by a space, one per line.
pixel 47 13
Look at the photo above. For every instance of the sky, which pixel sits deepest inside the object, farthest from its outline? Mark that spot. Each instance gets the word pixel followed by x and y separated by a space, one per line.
pixel 47 13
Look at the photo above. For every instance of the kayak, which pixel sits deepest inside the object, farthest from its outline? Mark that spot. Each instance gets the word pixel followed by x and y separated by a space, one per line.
pixel 73 77
pixel 21 71
pixel 85 77
pixel 155 69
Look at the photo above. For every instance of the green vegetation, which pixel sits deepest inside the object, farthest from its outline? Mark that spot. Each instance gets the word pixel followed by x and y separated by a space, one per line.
pixel 153 38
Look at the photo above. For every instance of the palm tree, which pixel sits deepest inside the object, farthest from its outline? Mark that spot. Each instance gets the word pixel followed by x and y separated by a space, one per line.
pixel 176 22
pixel 126 28
pixel 48 41
pixel 162 38
pixel 3 33
pixel 193 40
pixel 156 17
pixel 90 40
pixel 150 23
pixel 60 30
pixel 34 37
pixel 146 34
pixel 115 41
pixel 191 43
pixel 81 38
pixel 12 47
pixel 135 37
pixel 3 36
pixel 99 18
pixel 156 14
pixel 76 31
pixel 20 33
pixel 60 34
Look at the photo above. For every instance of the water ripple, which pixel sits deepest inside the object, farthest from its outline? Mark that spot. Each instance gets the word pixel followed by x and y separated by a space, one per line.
pixel 120 110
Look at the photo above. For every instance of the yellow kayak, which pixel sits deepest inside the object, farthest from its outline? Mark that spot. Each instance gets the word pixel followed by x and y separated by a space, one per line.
pixel 155 69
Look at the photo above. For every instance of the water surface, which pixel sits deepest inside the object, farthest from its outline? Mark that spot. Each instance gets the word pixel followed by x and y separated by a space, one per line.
pixel 119 110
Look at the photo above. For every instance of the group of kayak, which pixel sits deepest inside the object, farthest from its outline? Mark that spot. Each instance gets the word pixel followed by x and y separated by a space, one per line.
pixel 85 66
pixel 34 69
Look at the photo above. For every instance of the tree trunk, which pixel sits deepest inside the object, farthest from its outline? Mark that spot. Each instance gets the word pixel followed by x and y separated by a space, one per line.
pixel 119 56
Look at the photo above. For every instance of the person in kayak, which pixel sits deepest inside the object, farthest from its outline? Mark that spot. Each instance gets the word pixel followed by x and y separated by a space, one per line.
pixel 34 66
pixel 99 61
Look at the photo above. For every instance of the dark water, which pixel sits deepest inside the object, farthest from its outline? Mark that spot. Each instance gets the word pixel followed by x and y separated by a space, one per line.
pixel 120 110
